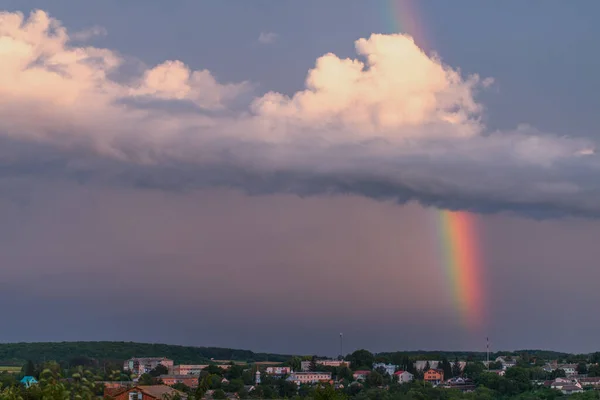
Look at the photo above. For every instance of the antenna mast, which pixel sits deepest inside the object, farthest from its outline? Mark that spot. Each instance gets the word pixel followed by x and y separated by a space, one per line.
pixel 487 340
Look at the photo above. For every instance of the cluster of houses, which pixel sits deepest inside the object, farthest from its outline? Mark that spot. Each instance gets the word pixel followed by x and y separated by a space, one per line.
pixel 432 373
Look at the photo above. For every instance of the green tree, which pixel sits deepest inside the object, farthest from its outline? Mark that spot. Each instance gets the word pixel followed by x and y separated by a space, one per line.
pixel 427 367
pixel 361 359
pixel 520 377
pixel 215 381
pixel 219 394
pixel 234 372
pixel 287 389
pixel 313 365
pixel 203 386
pixel 10 393
pixel 214 370
pixel 234 385
pixel 473 369
pixel 345 373
pixel 446 367
pixel 456 369
pixel 558 373
pixel 327 392
pixel 582 368
pixel 295 363
pixel 594 370
pixel 29 368
pixel 159 370
pixel 146 379
pixel 374 379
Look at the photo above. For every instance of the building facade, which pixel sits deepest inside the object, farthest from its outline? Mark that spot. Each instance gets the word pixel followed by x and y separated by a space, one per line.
pixel 155 392
pixel 360 375
pixel 187 369
pixel 278 370
pixel 300 378
pixel 144 365
pixel 305 365
pixel 434 376
pixel 388 368
pixel 404 376
pixel 188 380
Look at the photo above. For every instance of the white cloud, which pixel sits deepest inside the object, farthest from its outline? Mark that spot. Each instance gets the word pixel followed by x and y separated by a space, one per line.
pixel 396 123
pixel 267 37
pixel 173 80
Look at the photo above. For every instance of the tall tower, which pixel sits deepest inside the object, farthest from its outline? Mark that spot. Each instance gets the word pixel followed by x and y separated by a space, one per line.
pixel 487 349
pixel 257 376
pixel 341 346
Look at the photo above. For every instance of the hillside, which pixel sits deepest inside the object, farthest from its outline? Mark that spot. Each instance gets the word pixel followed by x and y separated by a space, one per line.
pixel 18 353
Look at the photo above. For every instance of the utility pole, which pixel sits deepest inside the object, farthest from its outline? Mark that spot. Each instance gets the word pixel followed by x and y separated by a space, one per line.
pixel 487 340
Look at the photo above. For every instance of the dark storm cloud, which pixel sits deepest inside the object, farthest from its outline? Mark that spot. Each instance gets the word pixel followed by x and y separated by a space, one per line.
pixel 392 127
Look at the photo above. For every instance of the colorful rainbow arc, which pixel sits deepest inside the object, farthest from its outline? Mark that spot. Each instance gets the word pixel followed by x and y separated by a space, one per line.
pixel 458 230
pixel 459 238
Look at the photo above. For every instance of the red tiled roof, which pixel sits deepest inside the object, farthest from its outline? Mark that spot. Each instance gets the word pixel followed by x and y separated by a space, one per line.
pixel 398 372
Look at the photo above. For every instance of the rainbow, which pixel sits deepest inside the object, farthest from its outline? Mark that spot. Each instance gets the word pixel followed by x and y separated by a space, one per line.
pixel 403 16
pixel 458 232
pixel 460 247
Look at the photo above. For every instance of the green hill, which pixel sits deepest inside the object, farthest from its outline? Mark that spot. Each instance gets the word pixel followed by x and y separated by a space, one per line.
pixel 18 353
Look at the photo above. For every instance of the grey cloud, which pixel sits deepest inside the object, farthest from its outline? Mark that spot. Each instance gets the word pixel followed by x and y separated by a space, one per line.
pixel 178 129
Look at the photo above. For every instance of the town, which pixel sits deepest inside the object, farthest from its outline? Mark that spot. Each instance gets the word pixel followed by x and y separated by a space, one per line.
pixel 359 375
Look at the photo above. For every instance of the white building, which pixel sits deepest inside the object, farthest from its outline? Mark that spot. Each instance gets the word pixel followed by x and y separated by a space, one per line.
pixel 388 368
pixel 566 386
pixel 300 378
pixel 278 370
pixel 570 369
pixel 187 369
pixel 506 362
pixel 144 365
pixel 404 376
pixel 360 375
pixel 305 365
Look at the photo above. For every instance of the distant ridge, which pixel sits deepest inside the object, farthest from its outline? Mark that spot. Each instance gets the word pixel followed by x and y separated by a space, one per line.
pixel 94 352
pixel 18 353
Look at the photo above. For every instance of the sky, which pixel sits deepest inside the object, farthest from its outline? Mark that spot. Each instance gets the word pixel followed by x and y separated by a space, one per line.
pixel 265 175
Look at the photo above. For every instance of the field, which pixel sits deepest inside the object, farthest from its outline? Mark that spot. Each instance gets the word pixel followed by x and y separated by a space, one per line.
pixel 10 368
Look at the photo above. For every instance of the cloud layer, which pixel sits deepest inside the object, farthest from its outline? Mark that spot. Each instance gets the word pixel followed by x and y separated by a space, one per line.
pixel 394 123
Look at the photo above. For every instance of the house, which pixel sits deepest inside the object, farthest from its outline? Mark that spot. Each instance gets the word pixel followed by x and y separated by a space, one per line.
pixel 591 381
pixel 360 375
pixel 434 376
pixel 500 372
pixel 155 392
pixel 278 370
pixel 507 362
pixel 144 365
pixel 404 376
pixel 305 365
pixel 570 389
pixel 187 369
pixel 188 380
pixel 566 386
pixel 570 369
pixel 28 381
pixel 388 368
pixel 300 378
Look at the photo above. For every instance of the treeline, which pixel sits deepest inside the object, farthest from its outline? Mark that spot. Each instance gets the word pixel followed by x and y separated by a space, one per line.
pixel 88 353
pixel 481 356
